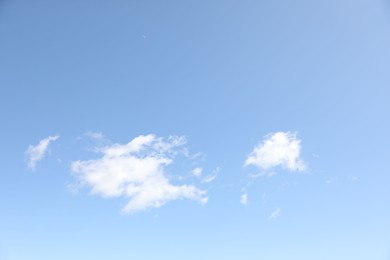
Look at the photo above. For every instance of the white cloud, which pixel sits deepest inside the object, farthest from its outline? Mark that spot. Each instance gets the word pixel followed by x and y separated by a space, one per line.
pixel 244 199
pixel 197 172
pixel 277 149
pixel 36 153
pixel 136 171
pixel 211 177
pixel 275 213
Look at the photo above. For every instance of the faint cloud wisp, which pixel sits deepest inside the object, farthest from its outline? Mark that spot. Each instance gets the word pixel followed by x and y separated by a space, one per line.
pixel 36 153
pixel 275 214
pixel 244 199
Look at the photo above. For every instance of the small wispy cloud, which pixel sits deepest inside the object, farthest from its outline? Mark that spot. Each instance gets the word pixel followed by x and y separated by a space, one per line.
pixel 197 171
pixel 36 153
pixel 264 198
pixel 211 177
pixel 94 135
pixel 277 149
pixel 244 199
pixel 136 171
pixel 275 213
pixel 262 173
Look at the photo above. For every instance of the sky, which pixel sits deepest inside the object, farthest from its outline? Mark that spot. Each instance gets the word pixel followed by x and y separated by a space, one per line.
pixel 194 129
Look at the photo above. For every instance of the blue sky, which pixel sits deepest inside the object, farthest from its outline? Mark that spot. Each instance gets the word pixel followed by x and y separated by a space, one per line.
pixel 194 130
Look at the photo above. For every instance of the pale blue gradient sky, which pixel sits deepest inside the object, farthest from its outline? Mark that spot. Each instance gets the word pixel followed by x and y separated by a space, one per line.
pixel 224 74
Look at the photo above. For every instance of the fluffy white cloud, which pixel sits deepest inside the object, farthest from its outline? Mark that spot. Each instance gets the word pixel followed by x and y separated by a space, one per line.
pixel 275 213
pixel 136 171
pixel 277 149
pixel 244 199
pixel 36 153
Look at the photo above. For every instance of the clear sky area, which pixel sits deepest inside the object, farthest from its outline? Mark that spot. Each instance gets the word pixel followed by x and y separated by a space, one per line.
pixel 187 130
